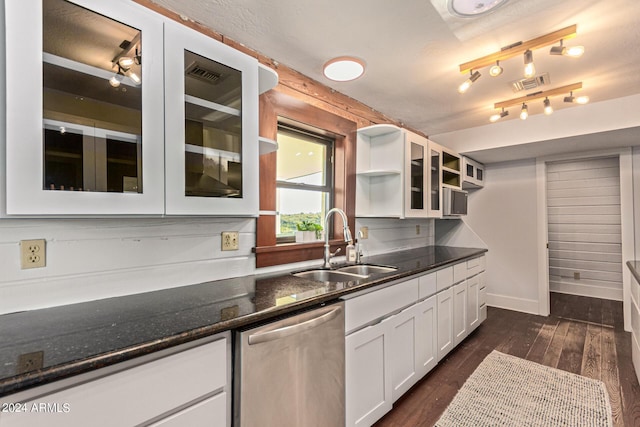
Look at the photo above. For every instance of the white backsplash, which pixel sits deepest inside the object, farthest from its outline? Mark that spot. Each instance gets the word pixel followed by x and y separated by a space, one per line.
pixel 89 259
pixel 392 234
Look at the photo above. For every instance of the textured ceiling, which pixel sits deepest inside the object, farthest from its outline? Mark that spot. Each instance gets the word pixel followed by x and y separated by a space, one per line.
pixel 413 49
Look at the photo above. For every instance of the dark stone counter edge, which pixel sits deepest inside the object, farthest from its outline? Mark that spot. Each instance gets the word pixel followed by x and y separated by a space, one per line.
pixel 634 266
pixel 44 376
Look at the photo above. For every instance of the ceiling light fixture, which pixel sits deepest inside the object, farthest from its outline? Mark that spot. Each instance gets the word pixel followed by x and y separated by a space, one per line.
pixel 573 51
pixel 576 99
pixel 548 109
pixel 344 68
pixel 524 112
pixel 538 95
pixel 474 75
pixel 529 68
pixel 498 116
pixel 519 48
pixel 472 8
pixel 495 70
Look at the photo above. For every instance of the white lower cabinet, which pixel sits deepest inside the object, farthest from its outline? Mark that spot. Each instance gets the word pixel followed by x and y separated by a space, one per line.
pixel 445 322
pixel 459 312
pixel 187 386
pixel 368 381
pixel 427 341
pixel 403 350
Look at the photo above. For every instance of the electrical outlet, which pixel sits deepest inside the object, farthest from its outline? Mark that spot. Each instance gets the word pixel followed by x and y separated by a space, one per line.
pixel 33 253
pixel 230 241
pixel 417 229
pixel 30 362
pixel 576 275
pixel 365 232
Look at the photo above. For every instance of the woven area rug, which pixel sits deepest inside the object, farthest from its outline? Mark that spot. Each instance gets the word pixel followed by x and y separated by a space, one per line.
pixel 508 391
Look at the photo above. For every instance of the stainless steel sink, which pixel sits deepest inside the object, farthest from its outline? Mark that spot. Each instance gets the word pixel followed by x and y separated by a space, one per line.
pixel 366 269
pixel 329 276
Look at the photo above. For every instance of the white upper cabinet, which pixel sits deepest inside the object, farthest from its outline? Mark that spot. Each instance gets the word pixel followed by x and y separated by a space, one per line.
pixel 76 142
pixel 472 173
pixel 393 174
pixel 211 126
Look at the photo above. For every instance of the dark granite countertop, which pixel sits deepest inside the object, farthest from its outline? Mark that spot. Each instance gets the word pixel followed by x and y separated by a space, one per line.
pixel 82 337
pixel 634 266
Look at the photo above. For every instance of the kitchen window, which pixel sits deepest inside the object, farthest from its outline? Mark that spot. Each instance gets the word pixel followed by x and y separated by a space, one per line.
pixel 304 180
pixel 321 130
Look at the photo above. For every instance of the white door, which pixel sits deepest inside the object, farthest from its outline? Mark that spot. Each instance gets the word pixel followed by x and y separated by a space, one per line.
pixel 473 305
pixel 402 354
pixel 584 227
pixel 460 312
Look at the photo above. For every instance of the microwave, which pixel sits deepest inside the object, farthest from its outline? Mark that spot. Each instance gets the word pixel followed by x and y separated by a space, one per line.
pixel 454 202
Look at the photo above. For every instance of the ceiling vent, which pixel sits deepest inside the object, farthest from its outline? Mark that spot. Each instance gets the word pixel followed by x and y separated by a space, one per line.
pixel 531 83
pixel 197 71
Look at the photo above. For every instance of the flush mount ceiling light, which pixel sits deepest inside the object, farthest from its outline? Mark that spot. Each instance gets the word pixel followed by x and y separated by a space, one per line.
pixel 573 51
pixel 475 75
pixel 344 68
pixel 472 8
pixel 496 70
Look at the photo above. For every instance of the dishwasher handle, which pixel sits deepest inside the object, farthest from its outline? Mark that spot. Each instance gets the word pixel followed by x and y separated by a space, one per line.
pixel 279 333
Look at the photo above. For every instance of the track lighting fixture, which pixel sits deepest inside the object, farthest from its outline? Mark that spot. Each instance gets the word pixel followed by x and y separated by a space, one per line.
pixel 573 51
pixel 529 68
pixel 548 109
pixel 117 77
pixel 498 116
pixel 576 99
pixel 524 112
pixel 474 75
pixel 495 70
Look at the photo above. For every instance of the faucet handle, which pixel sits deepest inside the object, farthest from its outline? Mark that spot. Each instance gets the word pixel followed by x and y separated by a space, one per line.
pixel 331 255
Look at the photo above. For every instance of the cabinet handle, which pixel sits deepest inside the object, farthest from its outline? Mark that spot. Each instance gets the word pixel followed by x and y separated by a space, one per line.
pixel 276 334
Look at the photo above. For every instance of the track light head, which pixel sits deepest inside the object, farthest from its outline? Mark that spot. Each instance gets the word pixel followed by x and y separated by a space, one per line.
pixel 498 116
pixel 576 99
pixel 495 70
pixel 573 51
pixel 529 68
pixel 548 109
pixel 475 75
pixel 524 113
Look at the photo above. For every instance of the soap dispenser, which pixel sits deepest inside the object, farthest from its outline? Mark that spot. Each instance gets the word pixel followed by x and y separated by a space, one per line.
pixel 351 252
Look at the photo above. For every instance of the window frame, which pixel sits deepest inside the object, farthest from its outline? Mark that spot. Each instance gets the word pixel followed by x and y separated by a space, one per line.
pixel 328 187
pixel 275 107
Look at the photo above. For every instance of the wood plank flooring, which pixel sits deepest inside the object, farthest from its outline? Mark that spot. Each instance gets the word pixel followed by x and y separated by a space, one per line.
pixel 583 335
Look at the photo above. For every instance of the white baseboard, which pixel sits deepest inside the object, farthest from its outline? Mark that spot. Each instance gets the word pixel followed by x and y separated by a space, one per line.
pixel 586 291
pixel 512 303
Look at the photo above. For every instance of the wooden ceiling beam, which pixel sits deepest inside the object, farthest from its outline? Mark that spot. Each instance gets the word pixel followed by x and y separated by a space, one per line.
pixel 563 90
pixel 520 48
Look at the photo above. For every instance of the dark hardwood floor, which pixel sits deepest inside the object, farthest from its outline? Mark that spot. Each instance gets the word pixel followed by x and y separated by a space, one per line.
pixel 583 335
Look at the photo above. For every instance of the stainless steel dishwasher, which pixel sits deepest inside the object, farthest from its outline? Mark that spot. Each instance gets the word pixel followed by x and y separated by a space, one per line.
pixel 291 372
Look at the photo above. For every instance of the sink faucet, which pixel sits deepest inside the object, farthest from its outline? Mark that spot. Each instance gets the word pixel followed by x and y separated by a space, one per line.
pixel 347 235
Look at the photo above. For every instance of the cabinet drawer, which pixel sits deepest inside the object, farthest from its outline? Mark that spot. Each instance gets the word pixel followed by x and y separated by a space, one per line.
pixel 211 412
pixel 135 395
pixel 428 285
pixel 459 272
pixel 375 305
pixel 444 278
pixel 473 267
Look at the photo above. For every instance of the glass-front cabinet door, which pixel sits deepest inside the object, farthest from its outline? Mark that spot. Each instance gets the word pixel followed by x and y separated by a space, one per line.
pixel 84 108
pixel 415 176
pixel 211 102
pixel 435 180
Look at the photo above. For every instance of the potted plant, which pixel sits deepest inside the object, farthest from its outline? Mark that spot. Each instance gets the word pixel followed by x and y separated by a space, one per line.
pixel 308 231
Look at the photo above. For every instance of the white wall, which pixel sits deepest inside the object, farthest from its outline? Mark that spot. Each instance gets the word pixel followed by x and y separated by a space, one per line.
pixel 504 216
pixel 90 259
pixel 389 234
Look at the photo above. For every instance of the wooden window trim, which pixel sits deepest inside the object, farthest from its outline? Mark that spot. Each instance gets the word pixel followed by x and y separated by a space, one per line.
pixel 275 105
